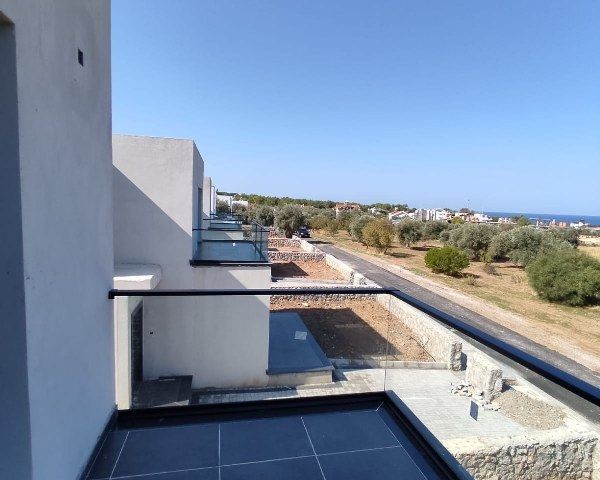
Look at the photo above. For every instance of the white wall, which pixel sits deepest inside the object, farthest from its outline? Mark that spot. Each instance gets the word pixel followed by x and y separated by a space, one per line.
pixel 154 208
pixel 64 134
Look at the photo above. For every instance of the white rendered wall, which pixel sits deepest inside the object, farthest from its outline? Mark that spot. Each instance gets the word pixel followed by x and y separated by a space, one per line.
pixel 154 209
pixel 66 208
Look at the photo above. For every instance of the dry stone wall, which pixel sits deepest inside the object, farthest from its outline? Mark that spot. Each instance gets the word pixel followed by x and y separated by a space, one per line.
pixel 547 456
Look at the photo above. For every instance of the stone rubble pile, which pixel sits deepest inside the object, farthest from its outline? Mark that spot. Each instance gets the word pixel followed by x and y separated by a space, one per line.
pixel 465 389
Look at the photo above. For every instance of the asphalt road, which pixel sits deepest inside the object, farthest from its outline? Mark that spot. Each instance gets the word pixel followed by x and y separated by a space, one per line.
pixel 388 279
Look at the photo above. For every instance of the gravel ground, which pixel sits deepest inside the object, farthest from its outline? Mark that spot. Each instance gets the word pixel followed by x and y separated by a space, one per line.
pixel 528 411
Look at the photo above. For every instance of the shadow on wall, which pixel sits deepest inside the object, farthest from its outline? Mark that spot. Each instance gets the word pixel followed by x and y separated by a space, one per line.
pixel 221 341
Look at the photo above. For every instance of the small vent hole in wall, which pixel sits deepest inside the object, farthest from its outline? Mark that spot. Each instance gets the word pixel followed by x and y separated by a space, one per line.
pixel 80 57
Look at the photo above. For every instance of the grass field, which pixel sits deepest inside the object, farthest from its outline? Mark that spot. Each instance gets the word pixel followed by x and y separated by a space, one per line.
pixel 506 287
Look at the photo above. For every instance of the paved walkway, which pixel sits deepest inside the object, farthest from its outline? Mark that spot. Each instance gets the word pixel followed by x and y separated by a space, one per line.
pixel 385 278
pixel 426 393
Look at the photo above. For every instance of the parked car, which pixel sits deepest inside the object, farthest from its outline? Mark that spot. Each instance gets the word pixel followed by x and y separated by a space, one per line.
pixel 303 232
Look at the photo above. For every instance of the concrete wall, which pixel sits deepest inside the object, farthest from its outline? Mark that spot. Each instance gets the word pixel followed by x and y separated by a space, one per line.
pixel 60 351
pixel 221 342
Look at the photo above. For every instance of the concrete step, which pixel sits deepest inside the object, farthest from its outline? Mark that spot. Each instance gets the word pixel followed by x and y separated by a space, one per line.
pixel 163 392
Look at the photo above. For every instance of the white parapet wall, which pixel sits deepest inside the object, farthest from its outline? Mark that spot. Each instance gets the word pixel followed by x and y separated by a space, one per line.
pixel 442 345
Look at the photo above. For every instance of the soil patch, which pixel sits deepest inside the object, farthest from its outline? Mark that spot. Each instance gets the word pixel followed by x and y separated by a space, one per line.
pixel 528 411
pixel 299 269
pixel 356 328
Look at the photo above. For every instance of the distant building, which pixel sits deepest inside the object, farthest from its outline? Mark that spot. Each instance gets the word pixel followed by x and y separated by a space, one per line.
pixel 400 215
pixel 481 218
pixel 346 207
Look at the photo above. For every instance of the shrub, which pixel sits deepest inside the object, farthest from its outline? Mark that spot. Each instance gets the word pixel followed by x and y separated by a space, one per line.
pixel 378 234
pixel 566 276
pixel 264 215
pixel 473 238
pixel 357 225
pixel 288 219
pixel 448 260
pixel 409 231
pixel 433 230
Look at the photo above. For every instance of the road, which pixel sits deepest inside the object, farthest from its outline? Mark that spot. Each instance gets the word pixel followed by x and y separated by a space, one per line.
pixel 388 279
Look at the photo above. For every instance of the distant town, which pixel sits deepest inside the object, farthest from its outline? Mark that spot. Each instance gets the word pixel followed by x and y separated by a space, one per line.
pixel 397 213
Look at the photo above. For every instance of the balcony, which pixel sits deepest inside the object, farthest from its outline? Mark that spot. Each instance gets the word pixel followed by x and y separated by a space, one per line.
pixel 334 383
pixel 229 242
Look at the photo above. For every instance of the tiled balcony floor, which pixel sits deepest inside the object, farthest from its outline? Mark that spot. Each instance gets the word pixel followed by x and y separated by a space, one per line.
pixel 363 443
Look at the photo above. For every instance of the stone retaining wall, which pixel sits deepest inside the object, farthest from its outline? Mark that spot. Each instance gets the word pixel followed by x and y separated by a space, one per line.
pixel 321 296
pixel 442 345
pixel 484 375
pixel 284 242
pixel 296 257
pixel 547 456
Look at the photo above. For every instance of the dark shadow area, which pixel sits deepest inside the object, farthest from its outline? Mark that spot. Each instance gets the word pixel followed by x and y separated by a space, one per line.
pixel 422 248
pixel 342 333
pixel 400 254
pixel 287 269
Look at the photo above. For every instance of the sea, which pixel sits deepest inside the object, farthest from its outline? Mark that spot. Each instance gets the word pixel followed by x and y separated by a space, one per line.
pixel 593 220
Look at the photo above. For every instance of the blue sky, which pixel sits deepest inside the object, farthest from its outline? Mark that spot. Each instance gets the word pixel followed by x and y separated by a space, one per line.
pixel 495 105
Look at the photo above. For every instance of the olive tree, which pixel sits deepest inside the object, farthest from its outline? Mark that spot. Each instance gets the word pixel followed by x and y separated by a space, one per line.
pixel 473 238
pixel 357 225
pixel 566 276
pixel 378 234
pixel 409 231
pixel 288 219
pixel 264 215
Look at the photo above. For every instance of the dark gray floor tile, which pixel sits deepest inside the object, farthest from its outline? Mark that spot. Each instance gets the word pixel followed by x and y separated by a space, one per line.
pixel 204 474
pixel 294 469
pixel 341 432
pixel 105 461
pixel 415 453
pixel 385 464
pixel 268 439
pixel 167 449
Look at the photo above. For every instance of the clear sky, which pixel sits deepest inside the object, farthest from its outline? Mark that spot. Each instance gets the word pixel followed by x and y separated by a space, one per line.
pixel 494 105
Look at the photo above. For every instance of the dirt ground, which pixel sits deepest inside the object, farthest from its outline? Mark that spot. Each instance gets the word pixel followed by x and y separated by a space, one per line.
pixel 528 411
pixel 316 270
pixel 503 295
pixel 356 328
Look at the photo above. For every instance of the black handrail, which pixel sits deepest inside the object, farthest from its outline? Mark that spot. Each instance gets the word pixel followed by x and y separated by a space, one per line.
pixel 570 382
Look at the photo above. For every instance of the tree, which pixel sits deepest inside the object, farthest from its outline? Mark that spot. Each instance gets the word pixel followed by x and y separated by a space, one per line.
pixel 345 219
pixel 457 220
pixel 264 215
pixel 288 219
pixel 319 222
pixel 522 221
pixel 448 260
pixel 433 230
pixel 332 226
pixel 473 238
pixel 378 234
pixel 357 225
pixel 222 206
pixel 409 231
pixel 566 276
pixel 522 245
